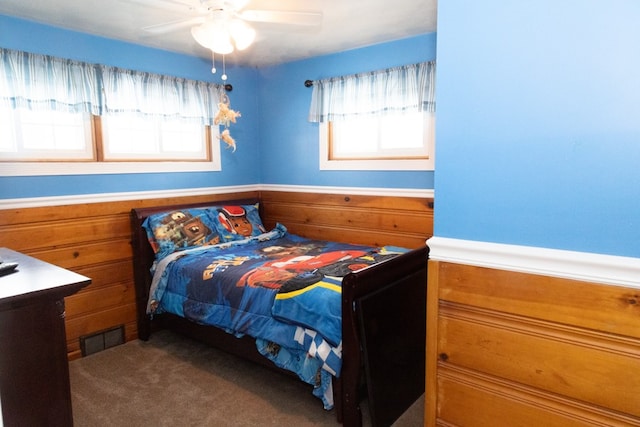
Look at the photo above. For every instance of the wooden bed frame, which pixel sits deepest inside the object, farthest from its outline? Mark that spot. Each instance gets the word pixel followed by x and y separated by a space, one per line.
pixel 383 328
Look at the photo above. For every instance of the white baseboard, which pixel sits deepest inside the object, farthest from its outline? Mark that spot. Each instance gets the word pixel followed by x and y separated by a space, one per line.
pixel 589 267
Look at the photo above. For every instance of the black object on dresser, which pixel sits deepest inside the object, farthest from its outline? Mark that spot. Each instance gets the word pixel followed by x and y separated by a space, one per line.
pixel 34 369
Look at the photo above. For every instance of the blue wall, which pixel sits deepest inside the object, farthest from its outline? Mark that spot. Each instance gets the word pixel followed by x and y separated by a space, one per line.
pixel 538 133
pixel 276 143
pixel 286 134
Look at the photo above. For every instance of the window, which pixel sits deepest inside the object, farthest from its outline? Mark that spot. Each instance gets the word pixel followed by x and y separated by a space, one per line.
pixel 155 139
pixel 59 116
pixel 399 141
pixel 54 142
pixel 380 120
pixel 52 135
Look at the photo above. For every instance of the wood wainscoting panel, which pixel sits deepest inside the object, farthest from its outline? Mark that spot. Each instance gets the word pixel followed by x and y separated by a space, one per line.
pixel 607 308
pixel 90 306
pixel 537 349
pixel 467 398
pixel 372 220
pixel 94 239
pixel 580 364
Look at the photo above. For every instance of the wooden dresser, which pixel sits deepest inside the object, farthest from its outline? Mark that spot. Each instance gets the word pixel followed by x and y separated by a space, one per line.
pixel 34 371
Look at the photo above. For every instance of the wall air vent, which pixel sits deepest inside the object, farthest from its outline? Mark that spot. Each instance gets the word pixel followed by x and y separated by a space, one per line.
pixel 101 340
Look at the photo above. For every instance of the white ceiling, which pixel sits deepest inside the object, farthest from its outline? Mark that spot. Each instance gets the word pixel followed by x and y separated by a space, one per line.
pixel 346 24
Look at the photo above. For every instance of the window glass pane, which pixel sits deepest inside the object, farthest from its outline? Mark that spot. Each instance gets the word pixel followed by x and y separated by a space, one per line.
pixel 69 137
pixel 51 130
pixel 354 137
pixel 37 136
pixel 399 142
pixel 401 131
pixel 179 136
pixel 396 136
pixel 8 141
pixel 139 138
pixel 45 135
pixel 129 135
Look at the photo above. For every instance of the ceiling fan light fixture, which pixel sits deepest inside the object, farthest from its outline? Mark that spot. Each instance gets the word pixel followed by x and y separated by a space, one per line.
pixel 214 36
pixel 222 44
pixel 243 35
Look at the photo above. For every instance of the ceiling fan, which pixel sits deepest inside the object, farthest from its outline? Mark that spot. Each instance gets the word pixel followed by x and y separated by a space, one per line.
pixel 222 25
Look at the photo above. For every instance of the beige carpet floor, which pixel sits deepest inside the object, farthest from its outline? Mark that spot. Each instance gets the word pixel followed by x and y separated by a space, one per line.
pixel 174 381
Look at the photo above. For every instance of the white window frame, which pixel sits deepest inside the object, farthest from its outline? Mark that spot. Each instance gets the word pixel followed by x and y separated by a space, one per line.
pixel 154 130
pixel 92 167
pixel 374 164
pixel 15 121
pixel 102 168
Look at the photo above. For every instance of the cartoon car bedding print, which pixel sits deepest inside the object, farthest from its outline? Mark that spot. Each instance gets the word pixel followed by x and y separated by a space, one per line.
pixel 276 287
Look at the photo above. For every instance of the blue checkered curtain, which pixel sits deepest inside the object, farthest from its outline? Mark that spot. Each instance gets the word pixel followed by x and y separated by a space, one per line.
pixel 409 88
pixel 42 82
pixel 155 95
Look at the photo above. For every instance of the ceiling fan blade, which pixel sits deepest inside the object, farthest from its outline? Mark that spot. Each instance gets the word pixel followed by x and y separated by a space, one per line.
pixel 179 6
pixel 282 17
pixel 237 4
pixel 169 27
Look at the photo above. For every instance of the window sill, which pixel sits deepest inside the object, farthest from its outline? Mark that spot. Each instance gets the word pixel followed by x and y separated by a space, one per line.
pixel 101 168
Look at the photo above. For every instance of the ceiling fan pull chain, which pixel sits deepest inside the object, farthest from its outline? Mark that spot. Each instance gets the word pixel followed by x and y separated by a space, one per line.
pixel 224 69
pixel 213 62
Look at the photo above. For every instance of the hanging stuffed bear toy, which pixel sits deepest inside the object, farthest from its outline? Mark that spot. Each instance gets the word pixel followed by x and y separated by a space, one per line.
pixel 226 116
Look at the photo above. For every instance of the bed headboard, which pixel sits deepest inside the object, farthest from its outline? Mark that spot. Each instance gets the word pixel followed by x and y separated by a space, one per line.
pixel 143 255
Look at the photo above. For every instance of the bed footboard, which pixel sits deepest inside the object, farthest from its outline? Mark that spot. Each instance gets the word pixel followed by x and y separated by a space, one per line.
pixel 383 329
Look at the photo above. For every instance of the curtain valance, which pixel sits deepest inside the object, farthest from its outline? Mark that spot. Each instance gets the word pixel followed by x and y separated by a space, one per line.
pixel 42 82
pixel 399 89
pixel 35 81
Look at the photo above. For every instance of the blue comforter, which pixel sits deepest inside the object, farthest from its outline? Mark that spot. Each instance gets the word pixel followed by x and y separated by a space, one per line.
pixel 280 288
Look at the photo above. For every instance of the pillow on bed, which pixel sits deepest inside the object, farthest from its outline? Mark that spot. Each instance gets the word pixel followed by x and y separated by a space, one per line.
pixel 180 229
pixel 236 222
